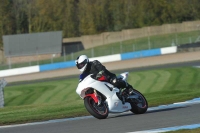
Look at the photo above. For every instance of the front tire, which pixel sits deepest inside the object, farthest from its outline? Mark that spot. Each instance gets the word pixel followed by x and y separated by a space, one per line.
pixel 98 111
pixel 139 103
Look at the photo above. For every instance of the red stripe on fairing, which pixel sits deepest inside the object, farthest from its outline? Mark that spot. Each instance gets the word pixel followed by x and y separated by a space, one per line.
pixel 93 97
pixel 102 78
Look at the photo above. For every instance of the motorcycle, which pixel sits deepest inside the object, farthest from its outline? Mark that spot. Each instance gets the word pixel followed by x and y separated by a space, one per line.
pixel 101 98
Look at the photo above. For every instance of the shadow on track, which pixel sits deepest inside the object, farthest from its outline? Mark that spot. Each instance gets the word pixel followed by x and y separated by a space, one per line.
pixel 148 112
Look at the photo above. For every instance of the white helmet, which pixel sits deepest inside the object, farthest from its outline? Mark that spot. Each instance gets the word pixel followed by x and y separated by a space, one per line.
pixel 81 62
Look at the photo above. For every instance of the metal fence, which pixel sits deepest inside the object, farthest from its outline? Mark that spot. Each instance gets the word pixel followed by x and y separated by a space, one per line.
pixel 150 42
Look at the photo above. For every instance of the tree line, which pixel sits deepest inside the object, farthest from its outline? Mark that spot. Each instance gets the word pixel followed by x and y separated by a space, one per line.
pixel 86 17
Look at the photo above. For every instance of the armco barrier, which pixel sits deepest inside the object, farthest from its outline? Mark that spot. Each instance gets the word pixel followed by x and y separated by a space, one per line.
pixel 68 64
pixel 19 71
pixel 108 58
pixel 103 59
pixel 139 54
pixel 55 66
pixel 169 50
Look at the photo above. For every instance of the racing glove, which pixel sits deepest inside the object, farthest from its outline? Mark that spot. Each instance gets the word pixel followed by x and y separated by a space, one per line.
pixel 99 74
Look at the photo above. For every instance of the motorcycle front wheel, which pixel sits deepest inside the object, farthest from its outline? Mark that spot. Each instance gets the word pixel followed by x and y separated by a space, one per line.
pixel 138 102
pixel 98 111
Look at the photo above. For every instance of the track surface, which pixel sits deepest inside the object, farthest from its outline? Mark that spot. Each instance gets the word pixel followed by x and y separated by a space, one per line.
pixel 123 123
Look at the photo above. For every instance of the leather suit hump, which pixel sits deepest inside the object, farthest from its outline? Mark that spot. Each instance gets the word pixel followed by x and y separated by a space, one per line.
pixel 95 67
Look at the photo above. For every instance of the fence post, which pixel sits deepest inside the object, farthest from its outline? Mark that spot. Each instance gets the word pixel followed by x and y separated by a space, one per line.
pixel 112 50
pixel 190 40
pixel 30 62
pixel 173 44
pixel 72 56
pixel 121 47
pixel 3 83
pixel 149 43
pixel 9 63
pixel 134 47
pixel 176 39
pixel 37 55
pixel 64 54
pixel 52 58
pixel 92 52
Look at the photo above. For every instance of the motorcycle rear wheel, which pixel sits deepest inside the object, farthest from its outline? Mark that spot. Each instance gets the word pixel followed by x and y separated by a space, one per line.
pixel 139 105
pixel 98 111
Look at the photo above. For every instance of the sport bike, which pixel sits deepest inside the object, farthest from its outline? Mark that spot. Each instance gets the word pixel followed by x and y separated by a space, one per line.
pixel 101 98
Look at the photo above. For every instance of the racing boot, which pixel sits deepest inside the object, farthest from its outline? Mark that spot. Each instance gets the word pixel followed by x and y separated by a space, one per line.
pixel 129 89
pixel 121 95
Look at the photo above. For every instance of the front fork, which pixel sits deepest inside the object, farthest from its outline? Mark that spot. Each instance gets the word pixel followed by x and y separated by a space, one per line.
pixel 95 97
pixel 98 97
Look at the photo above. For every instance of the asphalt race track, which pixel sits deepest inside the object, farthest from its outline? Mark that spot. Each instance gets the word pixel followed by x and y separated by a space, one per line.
pixel 117 123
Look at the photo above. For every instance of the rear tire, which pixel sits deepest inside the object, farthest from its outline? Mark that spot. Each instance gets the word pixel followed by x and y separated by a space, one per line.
pixel 98 111
pixel 139 105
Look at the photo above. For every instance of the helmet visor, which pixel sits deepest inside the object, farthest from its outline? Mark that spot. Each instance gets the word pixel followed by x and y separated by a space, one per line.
pixel 82 64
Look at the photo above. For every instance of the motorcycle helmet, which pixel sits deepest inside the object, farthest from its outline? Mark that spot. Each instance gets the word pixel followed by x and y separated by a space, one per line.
pixel 81 62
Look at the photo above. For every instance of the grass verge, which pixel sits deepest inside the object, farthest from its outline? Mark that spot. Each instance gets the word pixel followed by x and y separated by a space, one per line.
pixel 186 131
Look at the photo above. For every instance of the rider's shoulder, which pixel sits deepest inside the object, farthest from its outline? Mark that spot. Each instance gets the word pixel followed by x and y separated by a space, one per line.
pixel 96 62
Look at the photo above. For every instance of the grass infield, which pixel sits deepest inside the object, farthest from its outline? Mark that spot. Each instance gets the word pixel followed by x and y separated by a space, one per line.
pixel 58 99
pixel 186 131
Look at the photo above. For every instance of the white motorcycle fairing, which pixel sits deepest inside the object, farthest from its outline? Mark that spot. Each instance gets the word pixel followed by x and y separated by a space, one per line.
pixel 108 90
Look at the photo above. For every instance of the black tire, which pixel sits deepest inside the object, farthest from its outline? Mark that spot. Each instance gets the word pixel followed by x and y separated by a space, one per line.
pixel 139 105
pixel 98 111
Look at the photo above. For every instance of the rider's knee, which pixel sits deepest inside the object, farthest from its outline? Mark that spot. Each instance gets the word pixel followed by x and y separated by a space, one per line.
pixel 118 82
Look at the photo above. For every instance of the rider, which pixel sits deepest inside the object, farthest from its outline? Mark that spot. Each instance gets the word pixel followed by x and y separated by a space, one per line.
pixel 96 68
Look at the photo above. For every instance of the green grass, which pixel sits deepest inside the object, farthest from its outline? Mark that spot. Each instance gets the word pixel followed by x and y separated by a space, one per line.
pixel 158 41
pixel 186 131
pixel 58 99
pixel 41 93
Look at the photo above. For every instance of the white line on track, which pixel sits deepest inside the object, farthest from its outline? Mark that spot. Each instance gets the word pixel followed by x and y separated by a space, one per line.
pixel 161 107
pixel 161 130
pixel 46 122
